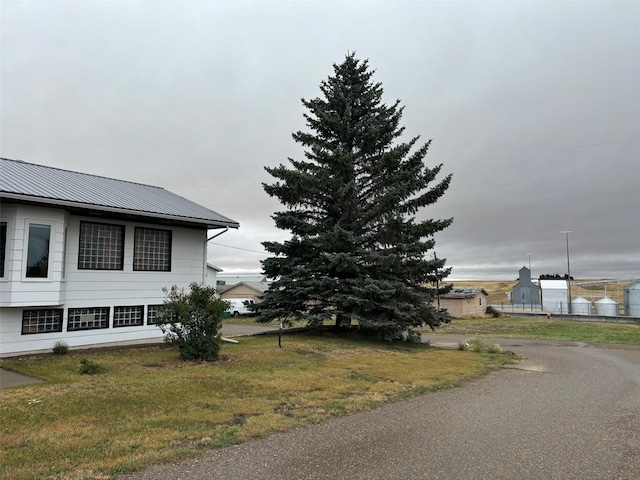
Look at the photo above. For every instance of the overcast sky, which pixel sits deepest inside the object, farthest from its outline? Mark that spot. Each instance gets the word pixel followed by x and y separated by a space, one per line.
pixel 533 106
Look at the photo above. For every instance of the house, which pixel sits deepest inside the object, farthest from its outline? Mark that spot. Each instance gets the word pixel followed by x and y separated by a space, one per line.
pixel 249 290
pixel 554 296
pixel 233 278
pixel 84 258
pixel 525 292
pixel 212 275
pixel 464 302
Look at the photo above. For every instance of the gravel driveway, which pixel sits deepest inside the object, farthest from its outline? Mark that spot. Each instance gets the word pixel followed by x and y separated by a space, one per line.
pixel 569 411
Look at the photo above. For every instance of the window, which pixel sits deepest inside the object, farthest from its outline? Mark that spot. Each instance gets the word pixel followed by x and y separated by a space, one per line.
pixel 88 318
pixel 3 246
pixel 152 250
pixel 127 316
pixel 38 251
pixel 41 321
pixel 64 255
pixel 101 246
pixel 153 312
pixel 480 300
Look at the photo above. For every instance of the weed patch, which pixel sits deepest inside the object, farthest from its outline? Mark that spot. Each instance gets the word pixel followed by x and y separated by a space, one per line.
pixel 88 367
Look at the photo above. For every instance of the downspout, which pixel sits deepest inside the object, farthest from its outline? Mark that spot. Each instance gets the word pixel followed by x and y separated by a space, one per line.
pixel 204 270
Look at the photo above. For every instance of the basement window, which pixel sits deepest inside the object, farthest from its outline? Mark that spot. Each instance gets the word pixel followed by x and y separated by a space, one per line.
pixel 153 314
pixel 87 318
pixel 41 321
pixel 127 316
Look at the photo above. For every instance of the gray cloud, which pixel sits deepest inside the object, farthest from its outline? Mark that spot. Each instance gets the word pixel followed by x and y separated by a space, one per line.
pixel 533 106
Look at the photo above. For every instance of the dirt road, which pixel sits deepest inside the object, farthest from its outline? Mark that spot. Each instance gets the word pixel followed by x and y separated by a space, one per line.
pixel 569 411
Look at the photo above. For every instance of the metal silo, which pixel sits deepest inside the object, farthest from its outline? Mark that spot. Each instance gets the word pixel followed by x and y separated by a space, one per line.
pixel 580 306
pixel 632 300
pixel 607 307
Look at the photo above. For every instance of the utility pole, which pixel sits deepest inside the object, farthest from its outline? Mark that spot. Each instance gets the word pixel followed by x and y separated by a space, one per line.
pixel 566 233
pixel 435 257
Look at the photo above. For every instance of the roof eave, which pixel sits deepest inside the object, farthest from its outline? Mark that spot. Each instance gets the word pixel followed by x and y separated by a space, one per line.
pixel 210 224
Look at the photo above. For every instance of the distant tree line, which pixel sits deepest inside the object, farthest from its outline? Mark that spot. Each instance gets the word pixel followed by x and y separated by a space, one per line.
pixel 555 276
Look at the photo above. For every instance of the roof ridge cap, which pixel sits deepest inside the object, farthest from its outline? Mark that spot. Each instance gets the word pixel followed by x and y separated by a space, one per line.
pixel 82 173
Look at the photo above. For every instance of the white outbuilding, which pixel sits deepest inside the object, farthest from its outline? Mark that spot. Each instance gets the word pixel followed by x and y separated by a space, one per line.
pixel 554 296
pixel 632 300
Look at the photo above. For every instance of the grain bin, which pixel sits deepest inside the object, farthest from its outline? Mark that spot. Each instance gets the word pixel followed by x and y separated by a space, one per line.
pixel 607 307
pixel 632 300
pixel 580 306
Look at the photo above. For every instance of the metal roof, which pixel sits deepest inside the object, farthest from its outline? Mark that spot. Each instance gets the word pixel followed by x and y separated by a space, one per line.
pixel 464 292
pixel 607 301
pixel 260 287
pixel 553 284
pixel 28 182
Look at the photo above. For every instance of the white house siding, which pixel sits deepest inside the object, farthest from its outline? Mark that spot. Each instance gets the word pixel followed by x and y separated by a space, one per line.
pixel 15 288
pixel 212 276
pixel 87 288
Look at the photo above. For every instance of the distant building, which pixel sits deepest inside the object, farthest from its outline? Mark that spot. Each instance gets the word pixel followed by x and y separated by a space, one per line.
pixel 525 292
pixel 233 279
pixel 464 302
pixel 212 275
pixel 554 296
pixel 249 290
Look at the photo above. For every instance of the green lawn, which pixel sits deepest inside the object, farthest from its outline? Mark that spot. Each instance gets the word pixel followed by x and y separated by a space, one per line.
pixel 595 332
pixel 150 407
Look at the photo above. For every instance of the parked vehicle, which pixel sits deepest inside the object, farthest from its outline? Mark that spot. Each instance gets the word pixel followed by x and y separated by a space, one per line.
pixel 239 306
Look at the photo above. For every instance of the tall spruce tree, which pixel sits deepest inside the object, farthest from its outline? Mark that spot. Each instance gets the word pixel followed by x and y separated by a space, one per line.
pixel 357 252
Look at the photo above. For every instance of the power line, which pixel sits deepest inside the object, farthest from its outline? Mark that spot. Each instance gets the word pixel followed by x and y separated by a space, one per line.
pixel 238 248
pixel 498 157
pixel 477 187
pixel 563 149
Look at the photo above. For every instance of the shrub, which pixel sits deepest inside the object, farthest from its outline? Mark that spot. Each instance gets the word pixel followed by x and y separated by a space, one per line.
pixel 191 321
pixel 60 348
pixel 87 367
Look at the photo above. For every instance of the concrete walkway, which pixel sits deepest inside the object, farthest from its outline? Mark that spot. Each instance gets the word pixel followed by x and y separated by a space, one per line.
pixel 13 379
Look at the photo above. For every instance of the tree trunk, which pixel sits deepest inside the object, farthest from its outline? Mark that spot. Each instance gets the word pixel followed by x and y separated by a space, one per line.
pixel 343 321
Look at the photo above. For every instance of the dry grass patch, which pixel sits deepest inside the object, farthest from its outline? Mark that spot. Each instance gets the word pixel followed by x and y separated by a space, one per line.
pixel 596 332
pixel 592 289
pixel 150 407
pixel 495 288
